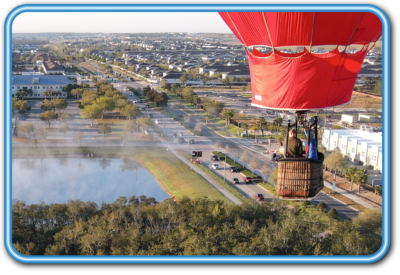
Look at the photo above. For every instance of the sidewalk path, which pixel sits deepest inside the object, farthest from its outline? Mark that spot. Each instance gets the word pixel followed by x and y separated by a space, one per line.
pixel 358 199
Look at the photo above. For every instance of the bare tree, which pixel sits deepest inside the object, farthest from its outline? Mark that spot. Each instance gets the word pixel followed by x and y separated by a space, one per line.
pixel 264 172
pixel 226 151
pixel 253 164
pixel 244 157
pixel 218 145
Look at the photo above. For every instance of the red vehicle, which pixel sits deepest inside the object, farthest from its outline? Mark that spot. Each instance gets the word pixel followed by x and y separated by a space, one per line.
pixel 259 197
pixel 247 180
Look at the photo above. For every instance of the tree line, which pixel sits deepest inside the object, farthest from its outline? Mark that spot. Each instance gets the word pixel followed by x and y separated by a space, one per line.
pixel 142 226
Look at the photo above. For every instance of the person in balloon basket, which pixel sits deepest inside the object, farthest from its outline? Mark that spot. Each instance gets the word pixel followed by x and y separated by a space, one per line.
pixel 295 146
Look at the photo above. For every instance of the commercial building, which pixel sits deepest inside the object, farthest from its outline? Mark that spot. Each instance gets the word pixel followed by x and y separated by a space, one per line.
pixel 357 145
pixel 40 84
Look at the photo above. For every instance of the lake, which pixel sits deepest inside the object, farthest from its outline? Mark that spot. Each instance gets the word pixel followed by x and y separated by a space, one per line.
pixel 100 180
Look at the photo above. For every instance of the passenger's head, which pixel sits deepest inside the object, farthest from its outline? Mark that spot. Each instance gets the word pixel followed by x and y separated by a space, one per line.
pixel 292 133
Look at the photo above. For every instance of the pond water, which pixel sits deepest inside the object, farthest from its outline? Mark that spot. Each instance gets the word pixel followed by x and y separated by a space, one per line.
pixel 53 180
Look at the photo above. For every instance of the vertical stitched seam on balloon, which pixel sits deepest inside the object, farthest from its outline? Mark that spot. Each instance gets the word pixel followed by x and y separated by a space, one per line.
pixel 269 36
pixel 312 30
pixel 236 29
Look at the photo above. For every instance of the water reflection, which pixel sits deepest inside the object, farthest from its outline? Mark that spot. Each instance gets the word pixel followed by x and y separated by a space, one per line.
pixel 104 163
pixel 98 180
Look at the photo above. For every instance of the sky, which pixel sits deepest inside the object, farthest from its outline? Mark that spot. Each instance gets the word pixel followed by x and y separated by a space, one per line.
pixel 129 22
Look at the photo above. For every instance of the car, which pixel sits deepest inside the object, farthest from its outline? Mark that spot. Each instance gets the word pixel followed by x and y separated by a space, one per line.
pixel 247 180
pixel 215 166
pixel 181 140
pixel 131 93
pixel 21 118
pixel 192 141
pixel 174 135
pixel 259 197
pixel 143 109
pixel 147 106
pixel 156 122
pixel 150 115
pixel 214 158
pixel 140 101
pixel 233 169
pixel 235 181
pixel 180 134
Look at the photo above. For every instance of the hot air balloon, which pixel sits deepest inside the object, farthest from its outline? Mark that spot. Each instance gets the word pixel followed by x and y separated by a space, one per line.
pixel 305 80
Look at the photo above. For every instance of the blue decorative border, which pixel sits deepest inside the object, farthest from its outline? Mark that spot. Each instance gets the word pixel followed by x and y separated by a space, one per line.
pixel 199 259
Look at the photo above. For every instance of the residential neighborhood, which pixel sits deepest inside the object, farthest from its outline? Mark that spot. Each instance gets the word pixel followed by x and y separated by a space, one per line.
pixel 180 106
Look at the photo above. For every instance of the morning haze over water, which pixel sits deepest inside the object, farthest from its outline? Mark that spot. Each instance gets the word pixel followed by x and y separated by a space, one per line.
pixel 52 180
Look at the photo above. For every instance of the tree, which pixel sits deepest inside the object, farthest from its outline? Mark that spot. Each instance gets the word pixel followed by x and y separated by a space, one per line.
pixel 321 206
pixel 78 92
pixel 20 106
pixel 349 175
pixel 214 107
pixel 130 111
pixel 144 122
pixel 378 88
pixel 278 122
pixel 244 157
pixel 333 213
pixel 227 150
pixel 104 129
pixel 63 129
pixel 253 164
pixel 335 161
pixel 261 124
pixel 26 128
pixel 161 99
pixel 360 178
pixel 367 105
pixel 227 114
pixel 91 112
pixel 264 172
pixel 131 127
pixel 48 117
pixel 273 177
pixel 183 79
pixel 66 117
pixel 225 81
pixel 218 145
pixel 104 104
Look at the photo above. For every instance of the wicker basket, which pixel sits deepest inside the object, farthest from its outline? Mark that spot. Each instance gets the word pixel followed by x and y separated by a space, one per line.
pixel 300 178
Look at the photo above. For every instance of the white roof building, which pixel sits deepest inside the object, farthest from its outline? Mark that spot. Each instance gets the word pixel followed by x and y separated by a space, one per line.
pixel 363 146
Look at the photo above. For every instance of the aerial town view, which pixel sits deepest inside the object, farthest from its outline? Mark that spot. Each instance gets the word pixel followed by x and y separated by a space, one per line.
pixel 262 139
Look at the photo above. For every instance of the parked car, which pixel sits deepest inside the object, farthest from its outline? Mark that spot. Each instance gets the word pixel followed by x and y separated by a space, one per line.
pixel 192 141
pixel 131 93
pixel 214 158
pixel 21 118
pixel 180 134
pixel 181 140
pixel 214 166
pixel 140 101
pixel 147 106
pixel 247 180
pixel 174 135
pixel 235 181
pixel 233 169
pixel 156 122
pixel 259 197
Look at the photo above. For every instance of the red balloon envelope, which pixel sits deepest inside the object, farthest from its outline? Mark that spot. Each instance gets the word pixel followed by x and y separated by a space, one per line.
pixel 305 80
